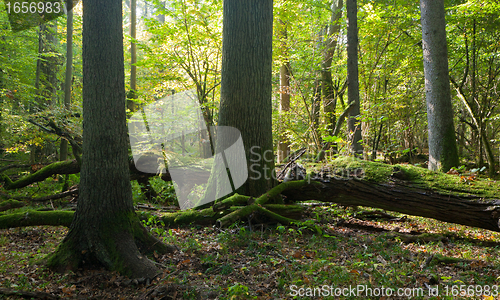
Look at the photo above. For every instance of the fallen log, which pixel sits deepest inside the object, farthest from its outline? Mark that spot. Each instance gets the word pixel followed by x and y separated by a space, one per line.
pixel 62 167
pixel 398 197
pixel 36 218
pixel 71 192
pixel 9 204
pixel 393 194
pixel 202 217
pixel 211 216
pixel 68 167
pixel 14 167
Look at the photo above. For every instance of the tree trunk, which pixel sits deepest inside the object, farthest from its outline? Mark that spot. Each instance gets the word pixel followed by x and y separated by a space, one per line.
pixel 353 123
pixel 132 95
pixel 66 167
pixel 315 111
pixel 246 86
pixel 105 228
pixel 442 142
pixel 63 154
pixel 329 93
pixel 283 143
pixel 46 72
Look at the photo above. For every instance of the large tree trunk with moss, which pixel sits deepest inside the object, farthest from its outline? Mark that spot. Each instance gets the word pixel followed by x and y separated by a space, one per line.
pixel 246 86
pixel 443 152
pixel 105 228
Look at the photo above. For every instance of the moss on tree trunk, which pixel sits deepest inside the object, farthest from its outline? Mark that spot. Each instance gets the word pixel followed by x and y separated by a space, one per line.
pixel 105 230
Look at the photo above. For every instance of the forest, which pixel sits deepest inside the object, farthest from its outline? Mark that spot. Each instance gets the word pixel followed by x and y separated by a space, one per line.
pixel 236 149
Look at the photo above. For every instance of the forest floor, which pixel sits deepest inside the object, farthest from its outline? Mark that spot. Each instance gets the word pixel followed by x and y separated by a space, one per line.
pixel 361 253
pixel 355 256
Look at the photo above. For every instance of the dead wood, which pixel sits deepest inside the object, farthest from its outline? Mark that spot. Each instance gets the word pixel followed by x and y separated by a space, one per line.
pixel 398 197
pixel 68 167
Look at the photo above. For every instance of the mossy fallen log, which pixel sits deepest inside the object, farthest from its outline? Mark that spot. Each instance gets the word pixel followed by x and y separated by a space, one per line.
pixel 68 167
pixel 399 197
pixel 36 218
pixel 72 192
pixel 9 204
pixel 62 167
pixel 208 216
pixel 394 195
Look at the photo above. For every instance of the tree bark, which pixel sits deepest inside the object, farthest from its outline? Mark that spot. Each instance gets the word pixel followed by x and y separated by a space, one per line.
pixel 443 152
pixel 63 167
pixel 63 154
pixel 329 93
pixel 46 81
pixel 133 58
pixel 9 204
pixel 283 143
pixel 353 123
pixel 36 218
pixel 395 196
pixel 246 86
pixel 105 230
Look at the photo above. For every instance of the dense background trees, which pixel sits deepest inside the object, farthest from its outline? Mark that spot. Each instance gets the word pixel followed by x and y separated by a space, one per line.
pixel 323 70
pixel 179 46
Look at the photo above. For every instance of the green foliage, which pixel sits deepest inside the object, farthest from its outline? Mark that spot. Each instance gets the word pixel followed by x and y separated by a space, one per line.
pixel 184 52
pixel 165 190
pixel 239 291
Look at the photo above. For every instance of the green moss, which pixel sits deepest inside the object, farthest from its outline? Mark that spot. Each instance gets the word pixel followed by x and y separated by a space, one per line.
pixel 36 218
pixel 10 204
pixel 417 177
pixel 446 260
pixel 120 225
pixel 64 258
pixel 447 183
pixel 373 171
pixel 63 167
pixel 449 155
